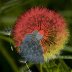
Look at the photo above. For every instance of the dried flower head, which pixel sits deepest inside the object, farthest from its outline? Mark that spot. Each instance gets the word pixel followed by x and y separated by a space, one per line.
pixel 40 34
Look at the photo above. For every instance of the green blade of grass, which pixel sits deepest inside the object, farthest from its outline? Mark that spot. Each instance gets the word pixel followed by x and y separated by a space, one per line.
pixel 13 3
pixel 8 57
pixel 26 66
pixel 41 68
pixel 6 39
pixel 64 57
pixel 69 49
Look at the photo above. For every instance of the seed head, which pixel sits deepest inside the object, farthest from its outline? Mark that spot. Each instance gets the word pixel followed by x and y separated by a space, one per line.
pixel 40 34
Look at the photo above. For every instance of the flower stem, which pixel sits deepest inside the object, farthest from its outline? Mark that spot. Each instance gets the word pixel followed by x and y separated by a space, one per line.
pixel 68 49
pixel 64 57
pixel 6 39
pixel 8 57
pixel 41 68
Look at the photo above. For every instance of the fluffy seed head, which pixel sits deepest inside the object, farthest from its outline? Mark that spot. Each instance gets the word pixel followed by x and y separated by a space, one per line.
pixel 50 29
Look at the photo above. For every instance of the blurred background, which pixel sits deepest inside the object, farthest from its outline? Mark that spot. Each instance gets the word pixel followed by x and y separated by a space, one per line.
pixel 10 10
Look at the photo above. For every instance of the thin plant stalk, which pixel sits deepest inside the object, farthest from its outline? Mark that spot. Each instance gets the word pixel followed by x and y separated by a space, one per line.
pixel 9 59
pixel 64 57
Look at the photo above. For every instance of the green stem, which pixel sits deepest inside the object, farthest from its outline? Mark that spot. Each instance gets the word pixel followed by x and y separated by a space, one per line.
pixel 45 66
pixel 8 4
pixel 12 3
pixel 9 59
pixel 41 68
pixel 6 39
pixel 64 57
pixel 68 49
pixel 26 67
